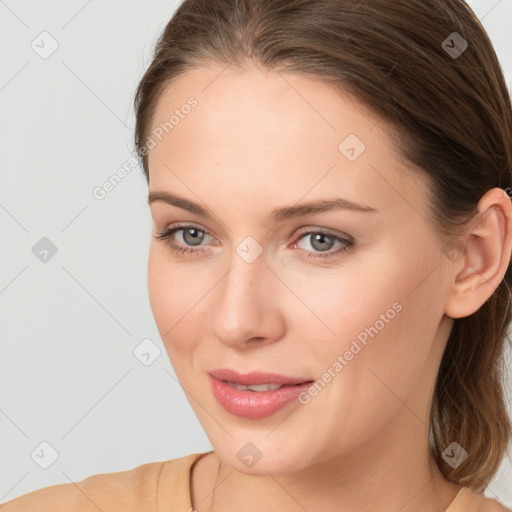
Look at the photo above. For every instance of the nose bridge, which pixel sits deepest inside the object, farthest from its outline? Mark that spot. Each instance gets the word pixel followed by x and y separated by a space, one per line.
pixel 242 306
pixel 248 272
pixel 244 282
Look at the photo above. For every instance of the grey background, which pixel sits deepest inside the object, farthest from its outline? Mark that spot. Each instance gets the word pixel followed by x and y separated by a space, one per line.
pixel 68 373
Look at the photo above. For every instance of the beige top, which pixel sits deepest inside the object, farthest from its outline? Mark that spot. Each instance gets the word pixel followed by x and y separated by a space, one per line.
pixel 160 487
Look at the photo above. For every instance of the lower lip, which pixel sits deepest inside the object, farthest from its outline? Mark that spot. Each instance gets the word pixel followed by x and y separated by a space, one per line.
pixel 254 404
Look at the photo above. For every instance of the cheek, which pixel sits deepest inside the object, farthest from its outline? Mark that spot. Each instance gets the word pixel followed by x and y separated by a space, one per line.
pixel 177 295
pixel 384 316
pixel 160 289
pixel 389 294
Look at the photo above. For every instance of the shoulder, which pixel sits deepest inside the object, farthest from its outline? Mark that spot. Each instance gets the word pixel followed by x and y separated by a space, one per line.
pixel 490 505
pixel 469 500
pixel 131 490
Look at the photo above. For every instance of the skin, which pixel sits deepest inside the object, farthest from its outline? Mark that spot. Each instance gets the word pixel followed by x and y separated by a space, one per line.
pixel 257 141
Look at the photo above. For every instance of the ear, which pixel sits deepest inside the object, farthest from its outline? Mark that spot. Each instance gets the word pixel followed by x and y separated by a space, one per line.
pixel 480 261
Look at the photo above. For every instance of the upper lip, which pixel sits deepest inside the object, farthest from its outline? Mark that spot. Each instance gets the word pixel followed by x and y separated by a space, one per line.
pixel 255 377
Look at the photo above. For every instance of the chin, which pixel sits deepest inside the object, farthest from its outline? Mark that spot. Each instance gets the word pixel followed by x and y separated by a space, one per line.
pixel 259 457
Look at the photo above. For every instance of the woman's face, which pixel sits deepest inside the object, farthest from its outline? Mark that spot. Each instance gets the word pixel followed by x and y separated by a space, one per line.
pixel 364 319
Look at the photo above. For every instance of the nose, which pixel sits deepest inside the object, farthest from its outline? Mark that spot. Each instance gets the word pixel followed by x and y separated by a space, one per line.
pixel 246 307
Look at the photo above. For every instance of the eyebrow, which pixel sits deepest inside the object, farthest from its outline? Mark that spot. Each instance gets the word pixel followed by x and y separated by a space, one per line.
pixel 278 214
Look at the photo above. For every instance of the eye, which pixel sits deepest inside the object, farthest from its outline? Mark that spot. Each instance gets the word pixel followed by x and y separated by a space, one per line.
pixel 192 236
pixel 323 241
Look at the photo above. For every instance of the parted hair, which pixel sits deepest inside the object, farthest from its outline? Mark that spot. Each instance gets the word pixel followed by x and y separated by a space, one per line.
pixel 429 69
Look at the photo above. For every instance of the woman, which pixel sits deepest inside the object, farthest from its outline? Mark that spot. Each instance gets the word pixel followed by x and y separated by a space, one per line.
pixel 365 374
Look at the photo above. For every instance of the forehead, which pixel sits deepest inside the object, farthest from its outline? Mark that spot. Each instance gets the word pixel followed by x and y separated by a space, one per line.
pixel 260 105
pixel 260 131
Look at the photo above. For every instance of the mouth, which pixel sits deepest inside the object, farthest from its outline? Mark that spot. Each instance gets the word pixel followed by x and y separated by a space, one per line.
pixel 257 400
pixel 256 378
pixel 259 388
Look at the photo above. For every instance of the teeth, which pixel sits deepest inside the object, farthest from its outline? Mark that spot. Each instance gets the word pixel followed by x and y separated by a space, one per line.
pixel 256 387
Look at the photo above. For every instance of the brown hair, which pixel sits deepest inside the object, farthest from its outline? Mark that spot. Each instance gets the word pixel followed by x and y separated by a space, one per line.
pixel 451 118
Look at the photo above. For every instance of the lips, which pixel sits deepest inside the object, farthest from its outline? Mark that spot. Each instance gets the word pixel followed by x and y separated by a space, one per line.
pixel 228 388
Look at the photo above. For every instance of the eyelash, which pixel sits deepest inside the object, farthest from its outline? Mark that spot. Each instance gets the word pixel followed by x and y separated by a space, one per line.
pixel 167 234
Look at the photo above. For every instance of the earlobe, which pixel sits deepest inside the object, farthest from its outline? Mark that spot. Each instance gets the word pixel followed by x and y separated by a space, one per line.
pixel 485 255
